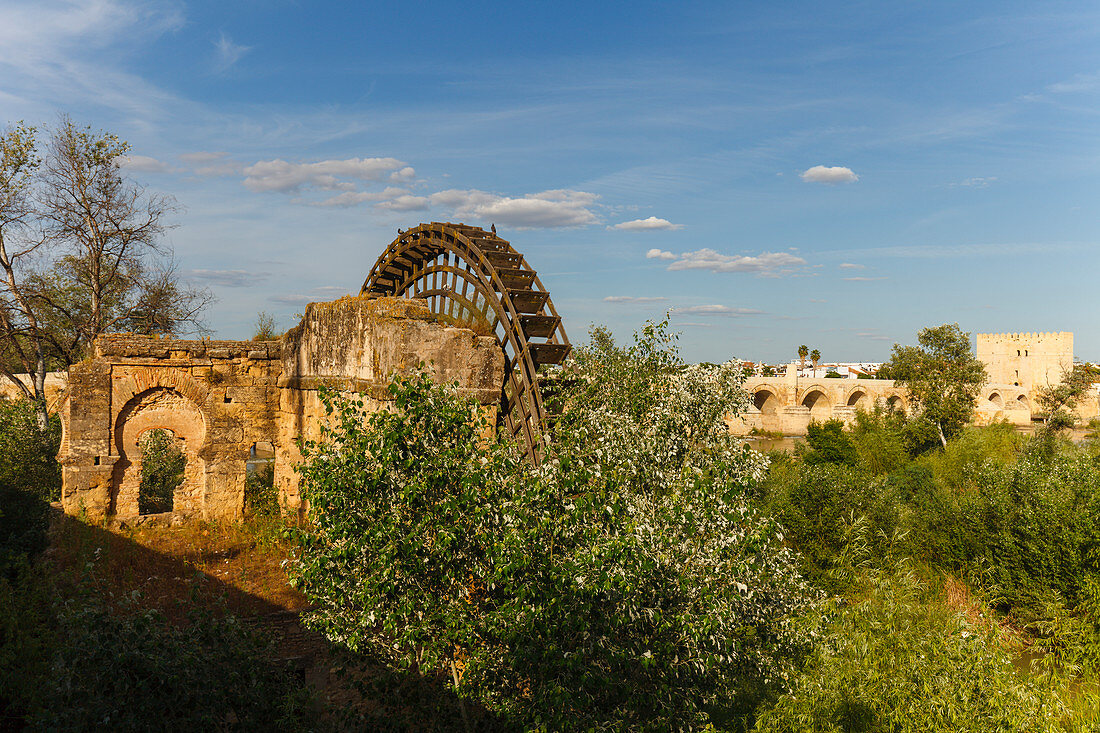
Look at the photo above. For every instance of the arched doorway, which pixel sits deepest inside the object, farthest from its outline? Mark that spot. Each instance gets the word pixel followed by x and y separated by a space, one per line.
pixel 165 409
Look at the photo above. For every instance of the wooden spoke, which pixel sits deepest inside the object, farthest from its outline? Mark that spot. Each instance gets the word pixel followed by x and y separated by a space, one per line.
pixel 474 278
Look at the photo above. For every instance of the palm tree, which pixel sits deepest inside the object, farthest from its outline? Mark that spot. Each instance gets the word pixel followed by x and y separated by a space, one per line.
pixel 803 352
pixel 815 357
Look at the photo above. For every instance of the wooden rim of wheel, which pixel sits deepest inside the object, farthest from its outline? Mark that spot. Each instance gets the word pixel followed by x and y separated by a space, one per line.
pixel 471 277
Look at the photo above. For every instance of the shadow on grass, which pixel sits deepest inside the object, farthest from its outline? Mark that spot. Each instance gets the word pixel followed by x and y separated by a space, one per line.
pixel 51 560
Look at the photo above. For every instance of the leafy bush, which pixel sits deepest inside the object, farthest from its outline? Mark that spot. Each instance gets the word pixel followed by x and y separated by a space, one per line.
pixel 626 583
pixel 28 458
pixel 828 443
pixel 162 464
pixel 897 658
pixel 261 498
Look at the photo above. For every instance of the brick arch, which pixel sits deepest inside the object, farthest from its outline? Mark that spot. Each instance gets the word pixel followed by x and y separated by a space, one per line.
pixel 142 379
pixel 155 408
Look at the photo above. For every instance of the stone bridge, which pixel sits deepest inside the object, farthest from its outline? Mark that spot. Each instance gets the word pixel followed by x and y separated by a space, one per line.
pixel 789 403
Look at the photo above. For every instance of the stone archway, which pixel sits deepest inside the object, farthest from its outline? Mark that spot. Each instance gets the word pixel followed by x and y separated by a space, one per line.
pixel 768 403
pixel 858 399
pixel 996 400
pixel 160 408
pixel 817 401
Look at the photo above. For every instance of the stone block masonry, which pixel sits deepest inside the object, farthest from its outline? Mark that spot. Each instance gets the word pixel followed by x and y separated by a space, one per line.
pixel 222 398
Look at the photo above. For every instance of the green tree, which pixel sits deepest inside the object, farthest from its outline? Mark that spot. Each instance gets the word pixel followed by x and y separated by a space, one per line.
pixel 941 376
pixel 815 358
pixel 162 464
pixel 626 583
pixel 1059 400
pixel 803 352
pixel 265 327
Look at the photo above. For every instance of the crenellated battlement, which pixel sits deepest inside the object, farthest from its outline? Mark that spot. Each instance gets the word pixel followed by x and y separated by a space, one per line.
pixel 1029 360
pixel 1026 336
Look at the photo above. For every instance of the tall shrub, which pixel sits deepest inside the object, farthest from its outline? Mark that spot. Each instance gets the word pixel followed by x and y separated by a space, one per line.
pixel 624 583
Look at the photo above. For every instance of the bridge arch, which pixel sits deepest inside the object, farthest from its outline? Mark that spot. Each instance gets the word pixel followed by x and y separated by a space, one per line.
pixel 473 278
pixel 818 402
pixel 996 400
pixel 858 398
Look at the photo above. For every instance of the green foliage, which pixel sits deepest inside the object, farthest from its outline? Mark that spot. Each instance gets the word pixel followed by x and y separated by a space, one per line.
pixel 942 377
pixel 80 665
pixel 828 443
pixel 1058 400
pixel 261 498
pixel 27 457
pixel 896 658
pixel 162 464
pixel 265 327
pixel 626 583
pixel 880 439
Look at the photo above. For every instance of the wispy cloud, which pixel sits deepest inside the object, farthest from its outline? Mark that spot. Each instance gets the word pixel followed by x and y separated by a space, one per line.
pixel 830 175
pixel 862 279
pixel 355 198
pixel 328 175
pixel 228 278
pixel 212 164
pixel 406 203
pixel 634 299
pixel 1079 83
pixel 560 208
pixel 770 264
pixel 977 182
pixel 227 53
pixel 144 164
pixel 716 310
pixel 649 223
pixel 292 299
pixel 850 266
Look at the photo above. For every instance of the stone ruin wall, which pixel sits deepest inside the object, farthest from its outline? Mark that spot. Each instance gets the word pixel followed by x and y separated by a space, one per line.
pixel 223 397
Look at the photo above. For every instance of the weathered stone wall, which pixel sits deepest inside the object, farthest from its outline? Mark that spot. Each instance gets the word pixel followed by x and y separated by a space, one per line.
pixel 220 398
pixel 357 344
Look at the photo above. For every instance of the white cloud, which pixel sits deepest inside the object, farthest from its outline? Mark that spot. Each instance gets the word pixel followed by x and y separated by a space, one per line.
pixel 212 164
pixel 862 279
pixel 826 174
pixel 765 263
pixel 716 310
pixel 549 209
pixel 404 175
pixel 1079 83
pixel 354 198
pixel 851 266
pixel 651 222
pixel 659 254
pixel 977 182
pixel 143 164
pixel 228 278
pixel 634 299
pixel 60 52
pixel 227 53
pixel 292 299
pixel 284 177
pixel 405 203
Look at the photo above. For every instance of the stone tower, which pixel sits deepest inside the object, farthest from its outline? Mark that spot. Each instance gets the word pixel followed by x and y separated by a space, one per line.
pixel 1027 360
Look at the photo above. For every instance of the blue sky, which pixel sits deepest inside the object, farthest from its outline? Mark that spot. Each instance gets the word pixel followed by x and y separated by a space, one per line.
pixel 838 175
